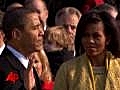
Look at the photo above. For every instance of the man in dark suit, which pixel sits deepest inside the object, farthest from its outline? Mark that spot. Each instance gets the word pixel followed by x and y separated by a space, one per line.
pixel 24 35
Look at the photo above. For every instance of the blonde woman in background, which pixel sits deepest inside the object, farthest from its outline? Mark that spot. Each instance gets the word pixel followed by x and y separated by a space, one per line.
pixel 39 61
pixel 57 46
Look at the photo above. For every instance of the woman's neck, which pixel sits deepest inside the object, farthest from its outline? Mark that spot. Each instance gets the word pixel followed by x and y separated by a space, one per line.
pixel 98 60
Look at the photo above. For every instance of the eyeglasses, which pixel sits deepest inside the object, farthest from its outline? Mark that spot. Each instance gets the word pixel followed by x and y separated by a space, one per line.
pixel 69 25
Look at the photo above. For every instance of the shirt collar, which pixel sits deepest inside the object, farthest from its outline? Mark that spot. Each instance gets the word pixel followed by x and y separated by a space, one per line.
pixel 45 27
pixel 20 56
pixel 2 48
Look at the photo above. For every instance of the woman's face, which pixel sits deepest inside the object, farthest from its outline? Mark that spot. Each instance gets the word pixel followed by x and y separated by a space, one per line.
pixel 37 63
pixel 94 39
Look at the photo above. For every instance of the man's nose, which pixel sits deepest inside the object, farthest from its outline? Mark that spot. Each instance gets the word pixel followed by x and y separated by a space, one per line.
pixel 69 30
pixel 41 31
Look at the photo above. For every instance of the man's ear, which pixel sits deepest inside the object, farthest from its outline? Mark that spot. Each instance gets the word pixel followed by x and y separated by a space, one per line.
pixel 2 35
pixel 46 13
pixel 16 34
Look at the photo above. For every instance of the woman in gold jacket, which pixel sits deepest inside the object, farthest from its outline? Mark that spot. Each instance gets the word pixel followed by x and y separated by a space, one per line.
pixel 97 66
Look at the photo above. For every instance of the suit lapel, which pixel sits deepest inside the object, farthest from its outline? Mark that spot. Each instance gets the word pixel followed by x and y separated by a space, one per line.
pixel 15 63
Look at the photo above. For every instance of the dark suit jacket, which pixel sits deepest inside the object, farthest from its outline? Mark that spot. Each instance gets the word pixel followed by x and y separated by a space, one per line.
pixel 11 72
pixel 56 58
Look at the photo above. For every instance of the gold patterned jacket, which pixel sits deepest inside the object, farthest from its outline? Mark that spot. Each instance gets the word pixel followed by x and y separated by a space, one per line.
pixel 77 74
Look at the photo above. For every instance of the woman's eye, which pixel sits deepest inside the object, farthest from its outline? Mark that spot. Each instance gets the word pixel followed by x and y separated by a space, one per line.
pixel 96 35
pixel 86 35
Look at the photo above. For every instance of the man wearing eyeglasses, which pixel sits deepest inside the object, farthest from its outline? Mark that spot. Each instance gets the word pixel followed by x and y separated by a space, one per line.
pixel 69 18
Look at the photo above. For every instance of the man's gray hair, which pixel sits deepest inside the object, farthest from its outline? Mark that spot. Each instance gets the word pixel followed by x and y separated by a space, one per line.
pixel 67 11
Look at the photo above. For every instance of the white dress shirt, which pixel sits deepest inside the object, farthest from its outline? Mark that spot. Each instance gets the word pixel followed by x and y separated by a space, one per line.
pixel 20 56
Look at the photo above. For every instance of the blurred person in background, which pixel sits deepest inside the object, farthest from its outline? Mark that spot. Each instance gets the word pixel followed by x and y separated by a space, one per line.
pixel 40 62
pixel 56 46
pixel 82 5
pixel 69 18
pixel 41 8
pixel 107 8
pixel 114 3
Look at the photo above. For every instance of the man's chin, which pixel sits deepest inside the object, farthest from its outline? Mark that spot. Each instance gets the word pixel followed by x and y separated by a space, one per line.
pixel 38 48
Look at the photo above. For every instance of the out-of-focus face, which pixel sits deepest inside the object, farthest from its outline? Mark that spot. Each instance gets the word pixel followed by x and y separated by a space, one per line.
pixel 32 36
pixel 50 46
pixel 37 63
pixel 113 13
pixel 42 9
pixel 70 22
pixel 94 40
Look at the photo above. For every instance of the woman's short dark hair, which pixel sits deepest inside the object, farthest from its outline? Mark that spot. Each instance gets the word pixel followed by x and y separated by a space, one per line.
pixel 110 28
